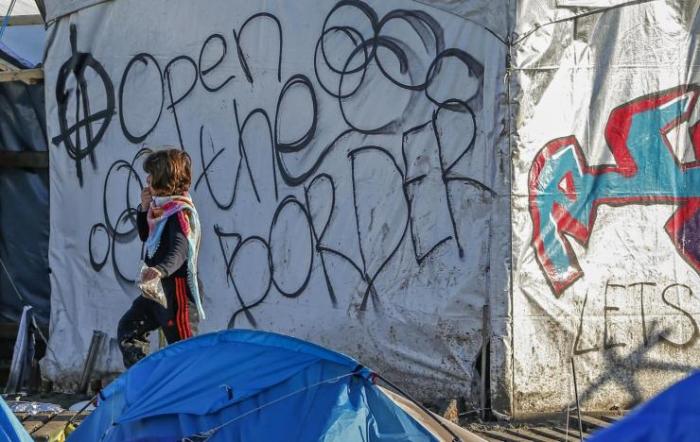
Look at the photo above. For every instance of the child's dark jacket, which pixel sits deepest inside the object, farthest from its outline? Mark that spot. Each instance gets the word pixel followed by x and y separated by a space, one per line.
pixel 171 257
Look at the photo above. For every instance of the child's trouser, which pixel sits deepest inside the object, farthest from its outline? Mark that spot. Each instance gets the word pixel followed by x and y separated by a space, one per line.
pixel 178 321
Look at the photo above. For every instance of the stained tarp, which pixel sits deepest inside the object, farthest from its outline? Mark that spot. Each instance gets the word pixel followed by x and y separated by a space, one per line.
pixel 605 198
pixel 247 386
pixel 372 220
pixel 353 195
pixel 24 195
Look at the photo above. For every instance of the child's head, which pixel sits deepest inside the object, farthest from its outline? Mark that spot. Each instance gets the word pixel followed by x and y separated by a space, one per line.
pixel 170 172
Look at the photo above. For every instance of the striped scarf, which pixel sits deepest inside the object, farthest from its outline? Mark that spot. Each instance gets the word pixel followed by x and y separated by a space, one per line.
pixel 182 207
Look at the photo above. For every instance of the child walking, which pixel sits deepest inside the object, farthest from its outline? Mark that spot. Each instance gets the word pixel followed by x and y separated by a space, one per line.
pixel 168 224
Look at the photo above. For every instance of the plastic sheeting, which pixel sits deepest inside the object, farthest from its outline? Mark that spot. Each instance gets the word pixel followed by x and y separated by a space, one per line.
pixel 352 169
pixel 22 354
pixel 673 415
pixel 33 408
pixel 19 7
pixel 58 9
pixel 22 45
pixel 605 202
pixel 366 211
pixel 24 195
pixel 253 386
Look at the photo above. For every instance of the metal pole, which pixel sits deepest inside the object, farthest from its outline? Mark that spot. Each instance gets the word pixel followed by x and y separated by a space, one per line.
pixel 578 406
pixel 484 355
pixel 95 344
pixel 70 421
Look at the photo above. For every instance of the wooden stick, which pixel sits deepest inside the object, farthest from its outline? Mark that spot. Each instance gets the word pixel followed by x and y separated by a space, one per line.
pixel 578 405
pixel 28 76
pixel 24 159
pixel 23 20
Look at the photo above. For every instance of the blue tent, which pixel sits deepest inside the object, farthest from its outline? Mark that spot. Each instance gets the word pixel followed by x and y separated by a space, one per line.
pixel 242 385
pixel 10 428
pixel 673 415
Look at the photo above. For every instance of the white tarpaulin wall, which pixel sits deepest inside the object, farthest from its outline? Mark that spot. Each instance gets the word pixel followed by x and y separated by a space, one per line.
pixel 350 170
pixel 606 187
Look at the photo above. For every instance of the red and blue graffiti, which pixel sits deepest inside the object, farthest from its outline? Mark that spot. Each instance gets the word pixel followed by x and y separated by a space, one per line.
pixel 565 191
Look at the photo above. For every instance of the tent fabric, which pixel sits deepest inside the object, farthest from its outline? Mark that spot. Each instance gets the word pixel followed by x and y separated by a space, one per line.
pixel 22 45
pixel 247 385
pixel 9 55
pixel 437 424
pixel 11 429
pixel 673 415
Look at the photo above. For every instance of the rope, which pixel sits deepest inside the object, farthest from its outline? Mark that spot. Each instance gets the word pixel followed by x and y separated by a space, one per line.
pixel 7 18
pixel 9 276
pixel 208 434
pixel 474 411
pixel 70 421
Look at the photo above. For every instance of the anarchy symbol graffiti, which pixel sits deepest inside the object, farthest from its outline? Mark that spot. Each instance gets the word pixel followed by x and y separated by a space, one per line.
pixel 75 69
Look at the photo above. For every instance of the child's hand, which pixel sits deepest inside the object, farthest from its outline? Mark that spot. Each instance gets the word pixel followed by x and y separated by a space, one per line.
pixel 146 197
pixel 149 273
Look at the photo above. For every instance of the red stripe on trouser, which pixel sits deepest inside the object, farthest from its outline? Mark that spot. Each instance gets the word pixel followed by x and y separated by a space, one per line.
pixel 177 308
pixel 187 312
pixel 178 294
pixel 184 310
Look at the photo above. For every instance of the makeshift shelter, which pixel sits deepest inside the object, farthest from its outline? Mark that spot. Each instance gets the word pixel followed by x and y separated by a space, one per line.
pixel 24 191
pixel 24 176
pixel 10 428
pixel 246 386
pixel 673 415
pixel 466 194
pixel 24 195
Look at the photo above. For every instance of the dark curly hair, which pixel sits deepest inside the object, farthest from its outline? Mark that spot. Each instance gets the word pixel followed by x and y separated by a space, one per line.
pixel 170 170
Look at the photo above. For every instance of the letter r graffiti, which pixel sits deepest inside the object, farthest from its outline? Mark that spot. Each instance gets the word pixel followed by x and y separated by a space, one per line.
pixel 565 191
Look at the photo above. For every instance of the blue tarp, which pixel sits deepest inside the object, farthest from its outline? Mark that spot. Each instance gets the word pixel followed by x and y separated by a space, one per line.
pixel 673 416
pixel 10 428
pixel 242 385
pixel 24 195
